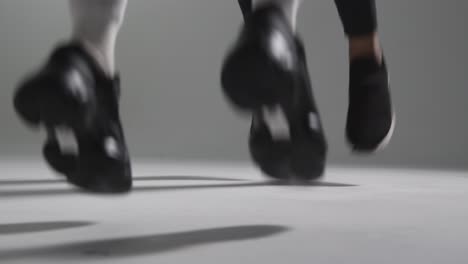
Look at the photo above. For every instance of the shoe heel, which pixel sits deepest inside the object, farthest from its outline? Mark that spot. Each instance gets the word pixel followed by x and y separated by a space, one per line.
pixel 44 100
pixel 251 79
pixel 26 105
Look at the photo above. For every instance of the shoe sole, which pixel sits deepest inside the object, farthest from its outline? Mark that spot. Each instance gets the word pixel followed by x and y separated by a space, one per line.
pixel 251 81
pixel 44 105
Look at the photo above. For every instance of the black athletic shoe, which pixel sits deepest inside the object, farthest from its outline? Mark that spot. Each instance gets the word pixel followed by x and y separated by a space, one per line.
pixel 70 91
pixel 266 74
pixel 371 119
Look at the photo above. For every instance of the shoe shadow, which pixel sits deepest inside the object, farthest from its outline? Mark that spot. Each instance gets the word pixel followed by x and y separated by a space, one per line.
pixel 142 245
pixel 22 228
pixel 235 185
pixel 137 179
pixel 238 184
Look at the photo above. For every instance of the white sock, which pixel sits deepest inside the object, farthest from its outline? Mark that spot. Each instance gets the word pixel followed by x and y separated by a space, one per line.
pixel 289 7
pixel 96 24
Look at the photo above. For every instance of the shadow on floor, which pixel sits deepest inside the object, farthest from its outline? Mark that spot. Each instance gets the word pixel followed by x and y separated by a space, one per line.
pixel 243 184
pixel 143 245
pixel 21 228
pixel 137 179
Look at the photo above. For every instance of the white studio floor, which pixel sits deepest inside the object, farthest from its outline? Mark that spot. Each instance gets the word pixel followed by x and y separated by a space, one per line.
pixel 213 213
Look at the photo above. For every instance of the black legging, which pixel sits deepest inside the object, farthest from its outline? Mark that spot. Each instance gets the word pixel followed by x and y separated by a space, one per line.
pixel 358 16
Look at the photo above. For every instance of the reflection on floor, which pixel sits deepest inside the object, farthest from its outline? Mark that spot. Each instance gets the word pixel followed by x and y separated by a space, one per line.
pixel 229 213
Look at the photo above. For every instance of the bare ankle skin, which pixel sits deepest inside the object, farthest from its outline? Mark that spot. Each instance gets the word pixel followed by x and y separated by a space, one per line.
pixel 365 46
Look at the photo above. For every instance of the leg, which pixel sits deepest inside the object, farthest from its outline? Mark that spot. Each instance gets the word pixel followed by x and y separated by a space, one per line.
pixel 370 120
pixel 360 25
pixel 266 74
pixel 77 90
pixel 96 25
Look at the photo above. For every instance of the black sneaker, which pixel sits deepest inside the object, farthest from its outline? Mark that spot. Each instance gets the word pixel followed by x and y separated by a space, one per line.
pixel 266 74
pixel 70 91
pixel 371 119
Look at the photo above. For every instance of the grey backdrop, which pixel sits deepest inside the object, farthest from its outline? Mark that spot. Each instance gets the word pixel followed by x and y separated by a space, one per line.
pixel 170 51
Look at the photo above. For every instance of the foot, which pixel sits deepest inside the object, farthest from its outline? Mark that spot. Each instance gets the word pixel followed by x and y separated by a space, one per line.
pixel 266 74
pixel 371 120
pixel 70 91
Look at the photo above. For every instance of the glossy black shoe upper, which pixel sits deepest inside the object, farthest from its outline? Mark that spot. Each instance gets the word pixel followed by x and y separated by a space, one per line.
pixel 266 72
pixel 71 91
pixel 371 119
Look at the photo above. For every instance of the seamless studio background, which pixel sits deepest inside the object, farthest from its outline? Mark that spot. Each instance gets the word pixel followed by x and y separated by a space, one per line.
pixel 170 52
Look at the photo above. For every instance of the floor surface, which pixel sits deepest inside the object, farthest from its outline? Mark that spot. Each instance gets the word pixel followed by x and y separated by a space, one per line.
pixel 226 213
